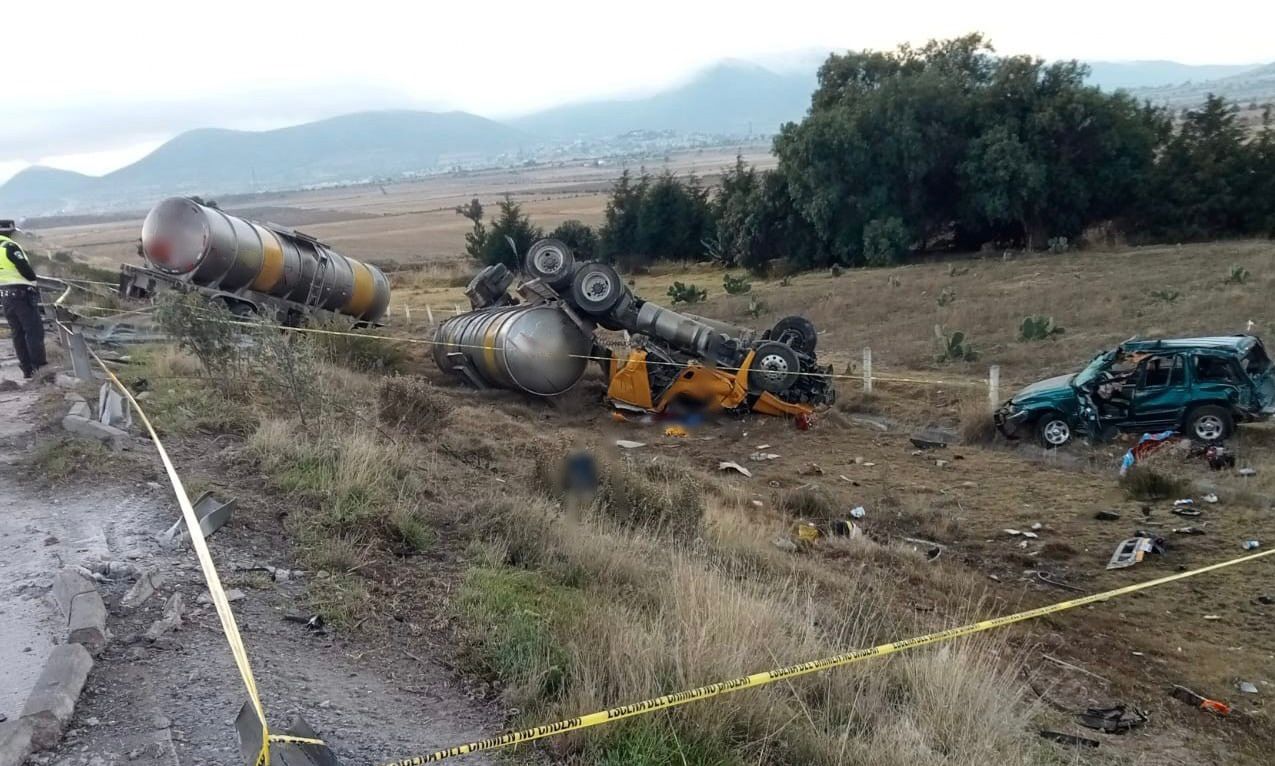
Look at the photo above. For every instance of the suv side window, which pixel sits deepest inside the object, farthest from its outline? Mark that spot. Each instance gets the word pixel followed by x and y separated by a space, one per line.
pixel 1160 371
pixel 1212 369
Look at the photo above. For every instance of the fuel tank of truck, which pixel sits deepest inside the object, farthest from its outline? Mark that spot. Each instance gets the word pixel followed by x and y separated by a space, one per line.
pixel 214 249
pixel 536 348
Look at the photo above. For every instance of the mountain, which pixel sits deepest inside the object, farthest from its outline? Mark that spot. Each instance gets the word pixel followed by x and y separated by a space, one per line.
pixel 214 161
pixel 732 98
pixel 1110 75
pixel 1252 86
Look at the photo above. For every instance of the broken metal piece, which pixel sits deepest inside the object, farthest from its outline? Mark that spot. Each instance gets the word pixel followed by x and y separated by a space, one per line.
pixel 1129 552
pixel 1113 720
pixel 727 465
pixel 1198 700
pixel 1246 687
pixel 282 751
pixel 1107 516
pixel 1048 579
pixel 213 514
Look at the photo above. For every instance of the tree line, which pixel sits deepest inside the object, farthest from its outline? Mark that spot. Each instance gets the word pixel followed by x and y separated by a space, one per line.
pixel 946 146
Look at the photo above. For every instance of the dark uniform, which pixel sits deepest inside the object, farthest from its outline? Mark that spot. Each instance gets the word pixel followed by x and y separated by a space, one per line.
pixel 21 300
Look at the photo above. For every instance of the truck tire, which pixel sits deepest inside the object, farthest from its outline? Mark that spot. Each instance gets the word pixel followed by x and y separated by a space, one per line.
pixel 800 330
pixel 774 368
pixel 1053 430
pixel 597 288
pixel 550 261
pixel 1209 423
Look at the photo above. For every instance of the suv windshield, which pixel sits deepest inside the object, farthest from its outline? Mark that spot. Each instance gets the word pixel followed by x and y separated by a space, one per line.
pixel 1099 363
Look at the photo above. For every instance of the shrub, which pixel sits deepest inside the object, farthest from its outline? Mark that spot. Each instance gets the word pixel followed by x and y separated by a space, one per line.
pixel 954 347
pixel 203 328
pixel 660 497
pixel 757 307
pixel 946 297
pixel 680 293
pixel 736 285
pixel 809 502
pixel 1167 296
pixel 1238 276
pixel 977 425
pixel 885 241
pixel 412 405
pixel 836 270
pixel 1038 328
pixel 358 350
pixel 1059 245
pixel 786 281
pixel 1142 483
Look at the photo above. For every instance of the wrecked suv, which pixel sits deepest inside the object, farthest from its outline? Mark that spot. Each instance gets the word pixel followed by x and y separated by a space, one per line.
pixel 1199 386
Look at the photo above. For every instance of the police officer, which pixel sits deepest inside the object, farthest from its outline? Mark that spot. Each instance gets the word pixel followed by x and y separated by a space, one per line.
pixel 21 300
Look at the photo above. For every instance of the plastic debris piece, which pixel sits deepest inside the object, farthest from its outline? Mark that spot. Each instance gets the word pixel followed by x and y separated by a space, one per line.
pixel 1107 516
pixel 1248 472
pixel 1030 535
pixel 727 465
pixel 1182 502
pixel 1038 526
pixel 761 457
pixel 1186 512
pixel 763 446
pixel 1189 531
pixel 1252 545
pixel 1246 687
pixel 1129 552
pixel 858 512
pixel 1212 617
pixel 1210 498
pixel 626 444
pixel 1198 700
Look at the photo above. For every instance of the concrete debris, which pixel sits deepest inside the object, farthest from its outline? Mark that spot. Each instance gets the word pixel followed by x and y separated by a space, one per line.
pixel 142 590
pixel 112 409
pixel 80 410
pixel 15 736
pixel 933 438
pixel 109 435
pixel 52 701
pixel 761 457
pixel 626 444
pixel 727 465
pixel 232 595
pixel 82 605
pixel 171 619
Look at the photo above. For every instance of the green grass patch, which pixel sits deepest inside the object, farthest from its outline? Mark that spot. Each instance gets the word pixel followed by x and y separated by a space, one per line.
pixel 64 457
pixel 340 599
pixel 512 618
pixel 653 741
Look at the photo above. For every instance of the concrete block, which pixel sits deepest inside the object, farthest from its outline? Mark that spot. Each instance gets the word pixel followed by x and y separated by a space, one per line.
pixel 80 410
pixel 108 435
pixel 15 742
pixel 82 606
pixel 56 691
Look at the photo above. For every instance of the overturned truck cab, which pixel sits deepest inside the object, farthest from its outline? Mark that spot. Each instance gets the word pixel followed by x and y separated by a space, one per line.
pixel 540 338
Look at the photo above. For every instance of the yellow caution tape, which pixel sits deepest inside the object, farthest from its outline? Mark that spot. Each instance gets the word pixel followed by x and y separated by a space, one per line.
pixel 792 671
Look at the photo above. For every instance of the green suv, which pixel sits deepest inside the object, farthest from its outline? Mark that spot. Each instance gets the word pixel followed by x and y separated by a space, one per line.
pixel 1199 386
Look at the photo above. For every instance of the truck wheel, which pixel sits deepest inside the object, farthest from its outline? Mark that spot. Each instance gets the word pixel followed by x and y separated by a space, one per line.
pixel 1209 423
pixel 1053 429
pixel 800 333
pixel 597 288
pixel 550 261
pixel 774 369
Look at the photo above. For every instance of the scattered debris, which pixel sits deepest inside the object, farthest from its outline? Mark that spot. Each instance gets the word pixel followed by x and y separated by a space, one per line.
pixel 763 446
pixel 1210 498
pixel 1200 701
pixel 727 465
pixel 941 463
pixel 1107 516
pixel 1113 720
pixel 810 470
pixel 933 438
pixel 758 503
pixel 858 512
pixel 1252 545
pixel 1183 502
pixel 785 545
pixel 1219 457
pixel 1068 739
pixel 1146 445
pixel 677 432
pixel 213 514
pixel 1048 579
pixel 142 590
pixel 626 444
pixel 1246 688
pixel 1129 552
pixel 1212 617
pixel 1186 512
pixel 1265 600
pixel 1038 526
pixel 1189 530
pixel 171 619
pixel 804 421
pixel 232 595
pixel 1248 472
pixel 761 457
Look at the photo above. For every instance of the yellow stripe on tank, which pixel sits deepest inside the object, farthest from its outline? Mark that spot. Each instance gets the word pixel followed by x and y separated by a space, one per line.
pixel 272 261
pixel 363 297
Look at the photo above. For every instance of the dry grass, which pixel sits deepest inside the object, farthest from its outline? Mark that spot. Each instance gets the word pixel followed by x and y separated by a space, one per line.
pixel 619 615
pixel 412 405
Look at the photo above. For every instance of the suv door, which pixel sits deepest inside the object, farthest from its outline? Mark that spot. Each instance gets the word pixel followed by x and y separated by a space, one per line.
pixel 1161 392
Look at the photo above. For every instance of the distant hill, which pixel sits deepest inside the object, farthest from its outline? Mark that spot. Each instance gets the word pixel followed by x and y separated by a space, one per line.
pixel 732 98
pixel 1245 88
pixel 214 161
pixel 1111 75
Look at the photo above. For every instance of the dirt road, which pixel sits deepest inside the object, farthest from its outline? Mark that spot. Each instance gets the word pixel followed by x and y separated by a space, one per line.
pixel 172 700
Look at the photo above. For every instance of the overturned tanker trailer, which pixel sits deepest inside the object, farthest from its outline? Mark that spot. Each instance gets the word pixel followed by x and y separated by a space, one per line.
pixel 252 267
pixel 541 339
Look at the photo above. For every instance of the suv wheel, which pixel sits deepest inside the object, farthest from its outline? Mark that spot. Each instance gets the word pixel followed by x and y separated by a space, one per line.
pixel 1053 430
pixel 1209 423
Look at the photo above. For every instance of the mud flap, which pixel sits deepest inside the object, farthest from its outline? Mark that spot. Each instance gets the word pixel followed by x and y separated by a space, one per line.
pixel 282 753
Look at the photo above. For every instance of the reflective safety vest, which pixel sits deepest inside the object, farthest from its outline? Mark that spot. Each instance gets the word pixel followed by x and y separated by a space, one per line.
pixel 9 274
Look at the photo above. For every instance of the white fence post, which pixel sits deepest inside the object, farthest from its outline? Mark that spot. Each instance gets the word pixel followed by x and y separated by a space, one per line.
pixel 867 370
pixel 994 386
pixel 457 308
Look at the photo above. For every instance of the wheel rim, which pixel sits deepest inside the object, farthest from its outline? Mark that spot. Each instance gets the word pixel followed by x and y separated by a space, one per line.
pixel 1209 427
pixel 774 368
pixel 1056 432
pixel 596 287
pixel 548 261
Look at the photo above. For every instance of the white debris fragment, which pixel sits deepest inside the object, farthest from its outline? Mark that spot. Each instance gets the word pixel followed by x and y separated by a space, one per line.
pixel 727 465
pixel 626 444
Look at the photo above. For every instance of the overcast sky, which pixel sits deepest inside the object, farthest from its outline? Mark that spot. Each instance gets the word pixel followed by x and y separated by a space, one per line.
pixel 91 86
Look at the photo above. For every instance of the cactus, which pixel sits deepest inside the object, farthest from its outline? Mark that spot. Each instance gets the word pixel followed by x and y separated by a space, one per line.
pixel 954 347
pixel 1038 327
pixel 894 281
pixel 736 285
pixel 680 293
pixel 946 297
pixel 756 307
pixel 786 281
pixel 1059 245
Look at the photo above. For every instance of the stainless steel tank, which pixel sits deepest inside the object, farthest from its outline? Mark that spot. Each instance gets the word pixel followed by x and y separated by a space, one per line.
pixel 535 348
pixel 214 249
